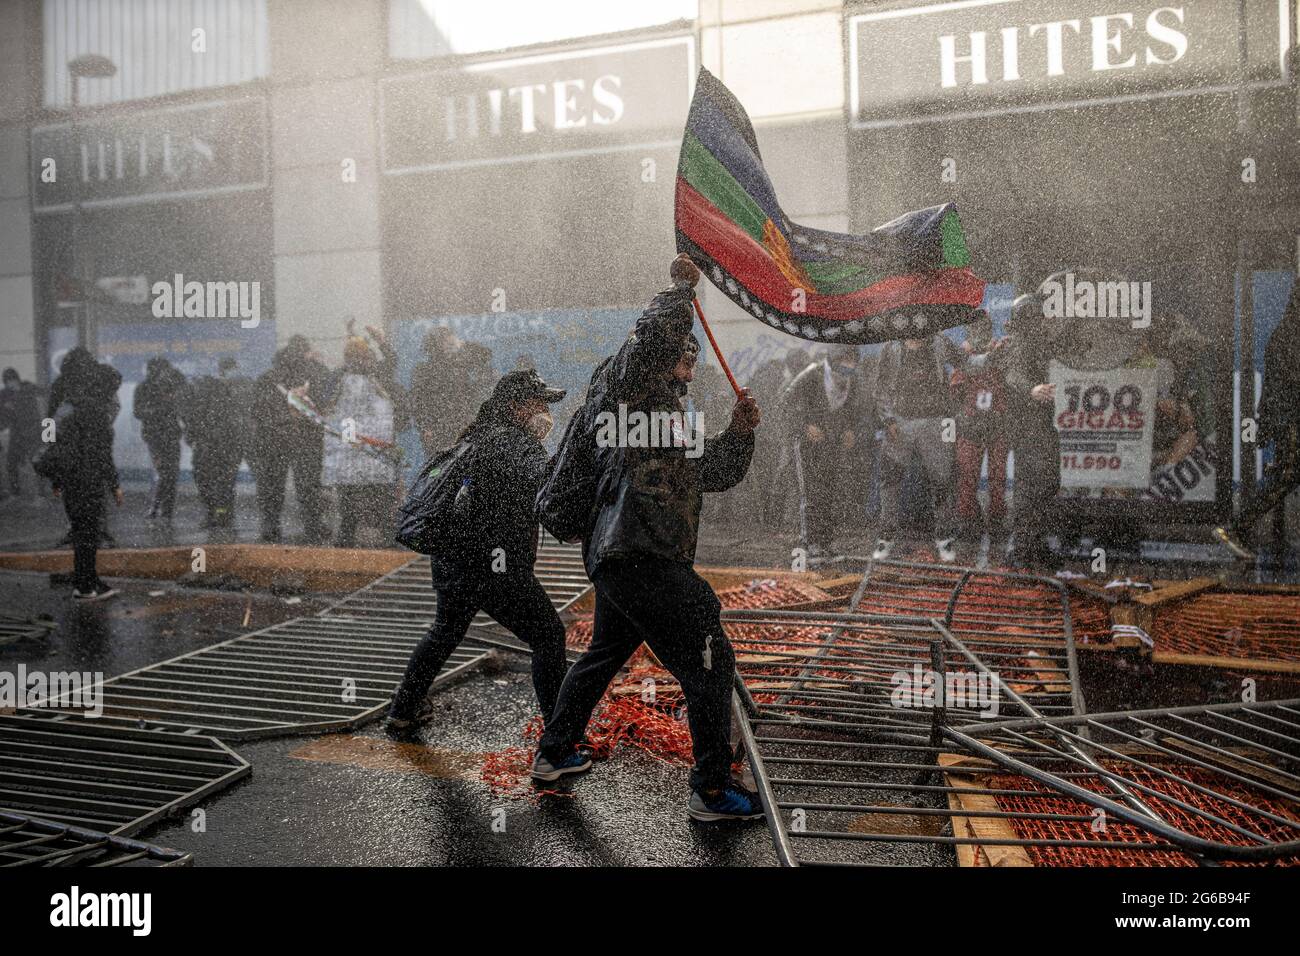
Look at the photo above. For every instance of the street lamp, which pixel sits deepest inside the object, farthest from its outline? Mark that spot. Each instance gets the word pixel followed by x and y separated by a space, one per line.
pixel 86 66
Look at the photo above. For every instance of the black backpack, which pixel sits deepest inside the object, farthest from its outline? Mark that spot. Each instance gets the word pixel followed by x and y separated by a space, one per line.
pixel 567 500
pixel 55 461
pixel 435 515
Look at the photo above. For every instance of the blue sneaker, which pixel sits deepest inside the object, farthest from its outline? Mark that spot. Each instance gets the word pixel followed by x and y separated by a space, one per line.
pixel 577 762
pixel 732 803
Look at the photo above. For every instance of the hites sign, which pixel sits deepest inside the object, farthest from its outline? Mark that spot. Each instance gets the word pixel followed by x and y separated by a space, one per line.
pixel 983 56
pixel 153 155
pixel 590 100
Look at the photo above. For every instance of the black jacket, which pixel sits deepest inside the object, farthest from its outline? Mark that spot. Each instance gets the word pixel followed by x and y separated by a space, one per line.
pixel 506 471
pixel 1279 408
pixel 83 381
pixel 277 425
pixel 20 412
pixel 650 498
pixel 888 388
pixel 804 403
pixel 158 402
pixel 84 448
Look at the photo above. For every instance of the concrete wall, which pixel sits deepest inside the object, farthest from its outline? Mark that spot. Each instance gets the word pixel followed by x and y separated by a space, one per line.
pixel 783 58
pixel 324 111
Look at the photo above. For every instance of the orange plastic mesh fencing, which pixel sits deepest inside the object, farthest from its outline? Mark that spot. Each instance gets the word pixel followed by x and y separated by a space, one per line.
pixel 1090 619
pixel 770 593
pixel 645 708
pixel 1117 831
pixel 1224 624
pixel 578 635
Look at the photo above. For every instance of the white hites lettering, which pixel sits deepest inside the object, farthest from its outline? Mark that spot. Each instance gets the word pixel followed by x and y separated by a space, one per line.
pixel 1103 43
pixel 559 106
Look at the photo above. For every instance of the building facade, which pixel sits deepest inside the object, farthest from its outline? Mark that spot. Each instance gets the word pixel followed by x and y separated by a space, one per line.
pixel 506 169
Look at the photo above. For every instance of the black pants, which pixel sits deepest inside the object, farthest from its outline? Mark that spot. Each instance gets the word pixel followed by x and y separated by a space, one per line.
pixel 1038 480
pixel 216 467
pixel 86 514
pixel 833 484
pixel 363 504
pixel 671 608
pixel 19 454
pixel 272 467
pixel 517 603
pixel 165 453
pixel 1282 479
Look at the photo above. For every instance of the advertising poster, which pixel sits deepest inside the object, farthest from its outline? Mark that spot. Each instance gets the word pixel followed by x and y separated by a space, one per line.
pixel 1106 422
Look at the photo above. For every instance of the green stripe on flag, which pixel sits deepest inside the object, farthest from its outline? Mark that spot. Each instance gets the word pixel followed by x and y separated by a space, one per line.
pixel 710 179
pixel 955 252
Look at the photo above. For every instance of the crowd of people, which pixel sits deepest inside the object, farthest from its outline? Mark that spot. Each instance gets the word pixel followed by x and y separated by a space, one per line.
pixel 915 440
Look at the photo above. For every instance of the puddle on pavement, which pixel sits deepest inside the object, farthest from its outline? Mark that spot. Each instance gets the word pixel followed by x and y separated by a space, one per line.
pixel 902 824
pixel 371 753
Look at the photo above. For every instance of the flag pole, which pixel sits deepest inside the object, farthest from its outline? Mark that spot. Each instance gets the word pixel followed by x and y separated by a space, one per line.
pixel 714 342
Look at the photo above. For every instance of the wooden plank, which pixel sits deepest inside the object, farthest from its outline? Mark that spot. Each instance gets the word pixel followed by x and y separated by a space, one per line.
pixel 1230 663
pixel 1175 591
pixel 979 828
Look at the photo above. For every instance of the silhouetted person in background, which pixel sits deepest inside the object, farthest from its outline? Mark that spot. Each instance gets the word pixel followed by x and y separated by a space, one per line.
pixel 79 465
pixel 217 428
pixel 1031 403
pixel 434 384
pixel 1279 423
pixel 362 398
pixel 158 402
pixel 913 401
pixel 980 390
pixel 20 413
pixel 758 490
pixel 829 411
pixel 81 375
pixel 287 441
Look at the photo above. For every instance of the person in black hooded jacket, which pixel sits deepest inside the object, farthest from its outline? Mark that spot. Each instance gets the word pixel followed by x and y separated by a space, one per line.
pixel 80 463
pixel 487 563
pixel 285 441
pixel 158 402
pixel 640 551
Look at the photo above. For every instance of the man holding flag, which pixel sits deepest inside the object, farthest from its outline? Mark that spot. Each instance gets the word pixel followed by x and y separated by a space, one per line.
pixel 640 552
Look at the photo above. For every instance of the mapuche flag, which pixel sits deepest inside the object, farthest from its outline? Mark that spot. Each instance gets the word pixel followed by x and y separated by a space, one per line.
pixel 907 278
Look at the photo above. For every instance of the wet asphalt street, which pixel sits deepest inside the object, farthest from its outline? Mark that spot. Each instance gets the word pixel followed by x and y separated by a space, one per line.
pixel 362 798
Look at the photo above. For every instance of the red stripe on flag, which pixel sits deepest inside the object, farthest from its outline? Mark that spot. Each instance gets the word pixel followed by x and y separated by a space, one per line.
pixel 737 252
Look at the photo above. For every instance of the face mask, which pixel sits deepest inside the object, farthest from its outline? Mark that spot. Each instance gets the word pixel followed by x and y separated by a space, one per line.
pixel 540 425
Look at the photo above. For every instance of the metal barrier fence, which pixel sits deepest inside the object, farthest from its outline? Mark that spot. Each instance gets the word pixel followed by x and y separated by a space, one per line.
pixel 941 712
